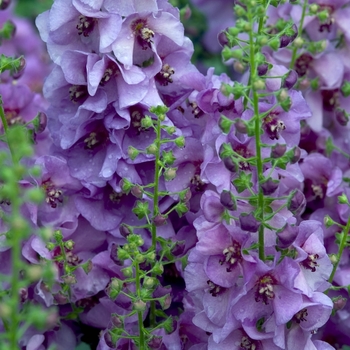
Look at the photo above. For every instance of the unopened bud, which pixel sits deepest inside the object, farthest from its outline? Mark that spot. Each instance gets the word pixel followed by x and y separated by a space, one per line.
pixel 228 200
pixel 341 117
pixel 238 67
pixel 4 4
pixel 159 220
pixel 269 186
pixel 262 69
pixel 20 69
pixel 139 305
pixel 290 80
pixel 339 303
pixel 222 38
pixel 137 191
pixel 278 150
pixel 248 222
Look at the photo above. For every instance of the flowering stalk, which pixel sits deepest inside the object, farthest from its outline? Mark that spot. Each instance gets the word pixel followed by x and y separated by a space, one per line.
pixel 259 163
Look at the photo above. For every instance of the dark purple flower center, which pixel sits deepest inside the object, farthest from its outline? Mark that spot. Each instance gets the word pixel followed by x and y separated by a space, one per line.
pixel 13 117
pixel 301 316
pixel 115 197
pixel 310 262
pixel 327 24
pixel 215 289
pixel 197 183
pixel 232 255
pixel 77 93
pixel 196 111
pixel 302 64
pixel 72 259
pixel 86 25
pixel 164 77
pixel 54 196
pixel 144 35
pixel 95 139
pixel 111 71
pixel 330 99
pixel 273 126
pixel 264 290
pixel 244 152
pixel 248 344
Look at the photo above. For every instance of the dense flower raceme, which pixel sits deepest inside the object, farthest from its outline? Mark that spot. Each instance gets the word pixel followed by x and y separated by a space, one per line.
pixel 112 62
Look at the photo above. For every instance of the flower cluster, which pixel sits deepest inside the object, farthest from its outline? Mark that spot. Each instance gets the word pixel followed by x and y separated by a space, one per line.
pixel 179 210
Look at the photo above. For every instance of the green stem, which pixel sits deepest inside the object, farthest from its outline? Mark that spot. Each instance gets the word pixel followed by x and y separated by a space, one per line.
pixel 155 208
pixel 300 30
pixel 139 313
pixel 15 231
pixel 341 249
pixel 259 162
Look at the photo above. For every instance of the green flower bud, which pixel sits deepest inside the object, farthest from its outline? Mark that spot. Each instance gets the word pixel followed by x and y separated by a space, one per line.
pixel 180 142
pixel 127 271
pixel 133 152
pixel 139 306
pixel 343 199
pixel 35 195
pixel 152 149
pixel 170 174
pixel 146 122
pixel 328 221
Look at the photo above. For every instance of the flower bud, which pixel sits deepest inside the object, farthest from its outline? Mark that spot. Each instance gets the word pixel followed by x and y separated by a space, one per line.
pixel 4 4
pixel 222 38
pixel 155 342
pixel 269 186
pixel 60 299
pixel 159 220
pixel 248 222
pixel 278 150
pixel 259 84
pixel 179 248
pixel 262 69
pixel 345 89
pixel 328 221
pixel 170 174
pixel 136 191
pixel 133 152
pixel 20 69
pixel 297 203
pixel 339 303
pixel 341 117
pixel 343 199
pixel 290 80
pixel 124 230
pixel 238 67
pixel 241 126
pixel 139 305
pixel 149 282
pixel 117 321
pixel 228 200
pixel 285 40
pixel 158 268
pixel 23 294
pixel 165 301
pixel 152 149
pixel 286 236
pixel 180 142
pixel 127 272
pixel 230 165
pixel 296 156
